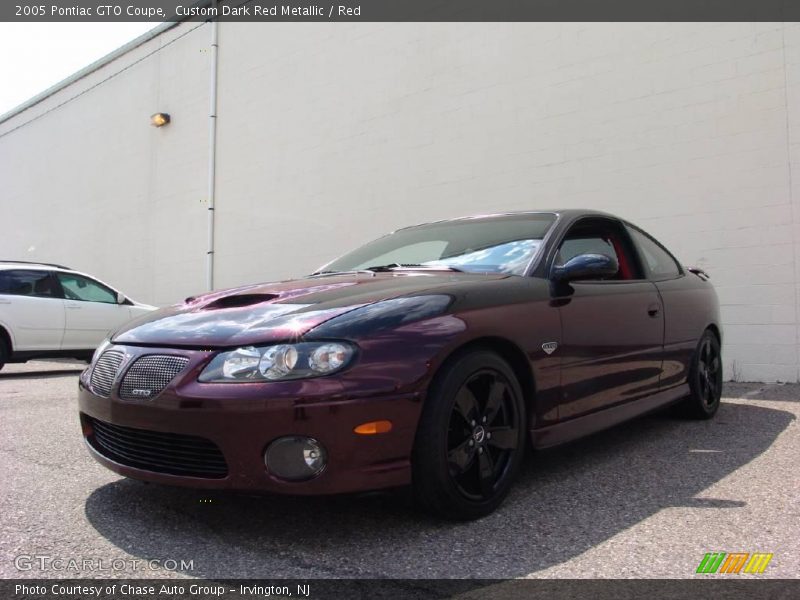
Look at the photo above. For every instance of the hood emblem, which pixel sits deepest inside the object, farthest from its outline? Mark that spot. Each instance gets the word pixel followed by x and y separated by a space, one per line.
pixel 549 347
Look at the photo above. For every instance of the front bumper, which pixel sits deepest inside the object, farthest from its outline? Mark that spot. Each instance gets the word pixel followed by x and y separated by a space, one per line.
pixel 242 420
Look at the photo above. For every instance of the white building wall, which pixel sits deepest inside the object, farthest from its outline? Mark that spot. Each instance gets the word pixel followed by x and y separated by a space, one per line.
pixel 331 134
pixel 86 182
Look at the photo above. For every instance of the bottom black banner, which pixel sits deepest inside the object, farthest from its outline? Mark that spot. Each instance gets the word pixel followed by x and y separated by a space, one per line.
pixel 323 589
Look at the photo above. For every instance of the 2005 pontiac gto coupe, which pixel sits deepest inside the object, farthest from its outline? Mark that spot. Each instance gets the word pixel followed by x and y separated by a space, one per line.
pixel 431 356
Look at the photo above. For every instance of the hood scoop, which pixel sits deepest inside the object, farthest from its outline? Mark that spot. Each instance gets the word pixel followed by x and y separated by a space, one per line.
pixel 237 301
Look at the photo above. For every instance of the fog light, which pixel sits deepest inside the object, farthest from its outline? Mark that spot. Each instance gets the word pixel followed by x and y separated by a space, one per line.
pixel 295 458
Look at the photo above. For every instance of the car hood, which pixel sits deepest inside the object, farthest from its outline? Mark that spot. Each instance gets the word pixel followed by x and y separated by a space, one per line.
pixel 142 306
pixel 280 311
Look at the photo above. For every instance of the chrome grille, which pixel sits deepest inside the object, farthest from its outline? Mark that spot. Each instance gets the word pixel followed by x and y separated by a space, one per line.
pixel 105 372
pixel 150 374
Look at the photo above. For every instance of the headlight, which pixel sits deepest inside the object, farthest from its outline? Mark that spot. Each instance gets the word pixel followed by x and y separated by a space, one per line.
pixel 279 362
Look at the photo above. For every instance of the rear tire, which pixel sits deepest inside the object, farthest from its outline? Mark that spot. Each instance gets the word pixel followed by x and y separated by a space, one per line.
pixel 705 379
pixel 3 353
pixel 471 437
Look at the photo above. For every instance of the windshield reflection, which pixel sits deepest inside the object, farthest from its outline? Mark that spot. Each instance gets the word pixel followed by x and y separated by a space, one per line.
pixel 495 244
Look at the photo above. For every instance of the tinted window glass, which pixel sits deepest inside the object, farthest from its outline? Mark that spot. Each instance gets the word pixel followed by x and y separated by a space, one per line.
pixel 414 253
pixel 571 248
pixel 82 288
pixel 504 244
pixel 658 261
pixel 19 282
pixel 600 236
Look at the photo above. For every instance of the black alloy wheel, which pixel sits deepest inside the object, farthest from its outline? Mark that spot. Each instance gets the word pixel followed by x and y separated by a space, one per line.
pixel 471 437
pixel 705 378
pixel 483 434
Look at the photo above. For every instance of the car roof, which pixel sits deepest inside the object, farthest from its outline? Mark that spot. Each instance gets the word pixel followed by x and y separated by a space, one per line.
pixel 32 266
pixel 26 264
pixel 557 212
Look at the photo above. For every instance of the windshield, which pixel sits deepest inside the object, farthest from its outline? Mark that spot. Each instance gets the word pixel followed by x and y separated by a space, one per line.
pixel 503 244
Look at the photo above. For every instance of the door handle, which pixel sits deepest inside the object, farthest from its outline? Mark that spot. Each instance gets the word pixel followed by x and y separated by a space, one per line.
pixel 5 301
pixel 74 306
pixel 654 310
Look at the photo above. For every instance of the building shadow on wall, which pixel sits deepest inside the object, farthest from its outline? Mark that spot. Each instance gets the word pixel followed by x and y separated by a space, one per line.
pixel 566 501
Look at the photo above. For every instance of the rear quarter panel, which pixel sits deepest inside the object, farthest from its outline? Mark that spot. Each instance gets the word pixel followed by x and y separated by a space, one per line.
pixel 690 306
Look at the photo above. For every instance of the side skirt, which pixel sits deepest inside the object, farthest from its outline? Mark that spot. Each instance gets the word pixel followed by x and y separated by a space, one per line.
pixel 579 427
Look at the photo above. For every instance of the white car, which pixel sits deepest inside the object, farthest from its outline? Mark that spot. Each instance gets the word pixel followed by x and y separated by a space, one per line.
pixel 50 311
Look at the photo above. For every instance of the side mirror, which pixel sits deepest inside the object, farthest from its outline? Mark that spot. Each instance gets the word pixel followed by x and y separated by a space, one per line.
pixel 121 299
pixel 586 266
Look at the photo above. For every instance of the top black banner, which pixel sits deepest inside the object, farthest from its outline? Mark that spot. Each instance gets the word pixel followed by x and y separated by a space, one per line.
pixel 399 10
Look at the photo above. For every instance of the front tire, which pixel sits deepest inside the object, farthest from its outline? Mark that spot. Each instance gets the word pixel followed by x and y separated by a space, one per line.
pixel 705 379
pixel 3 354
pixel 471 437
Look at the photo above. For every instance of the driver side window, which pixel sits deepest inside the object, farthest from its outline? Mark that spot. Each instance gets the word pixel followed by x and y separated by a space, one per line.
pixel 570 248
pixel 84 289
pixel 600 236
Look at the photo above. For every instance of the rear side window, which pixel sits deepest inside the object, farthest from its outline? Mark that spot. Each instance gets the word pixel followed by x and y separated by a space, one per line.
pixel 85 289
pixel 20 282
pixel 658 261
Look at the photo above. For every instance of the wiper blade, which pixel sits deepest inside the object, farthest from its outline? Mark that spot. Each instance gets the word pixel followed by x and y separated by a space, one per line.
pixel 387 269
pixel 350 272
pixel 395 266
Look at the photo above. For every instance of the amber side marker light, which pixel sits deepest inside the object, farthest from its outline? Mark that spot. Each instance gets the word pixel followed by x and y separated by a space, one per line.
pixel 374 427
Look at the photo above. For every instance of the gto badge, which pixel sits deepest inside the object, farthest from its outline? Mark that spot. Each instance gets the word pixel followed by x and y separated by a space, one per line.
pixel 142 393
pixel 549 347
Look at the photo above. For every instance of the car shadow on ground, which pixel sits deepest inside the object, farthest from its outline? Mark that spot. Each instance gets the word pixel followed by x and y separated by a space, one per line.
pixel 566 501
pixel 770 391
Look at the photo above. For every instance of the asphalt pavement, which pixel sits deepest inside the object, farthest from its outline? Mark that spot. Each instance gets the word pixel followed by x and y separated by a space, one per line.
pixel 647 499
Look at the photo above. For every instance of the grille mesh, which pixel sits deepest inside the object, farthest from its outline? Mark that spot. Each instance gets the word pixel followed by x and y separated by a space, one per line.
pixel 172 453
pixel 150 374
pixel 105 372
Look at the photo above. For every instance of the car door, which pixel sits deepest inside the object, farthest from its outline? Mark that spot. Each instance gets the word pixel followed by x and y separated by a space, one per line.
pixel 683 314
pixel 91 311
pixel 612 329
pixel 32 309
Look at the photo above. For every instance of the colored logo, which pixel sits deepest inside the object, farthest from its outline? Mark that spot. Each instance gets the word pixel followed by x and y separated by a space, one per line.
pixel 734 562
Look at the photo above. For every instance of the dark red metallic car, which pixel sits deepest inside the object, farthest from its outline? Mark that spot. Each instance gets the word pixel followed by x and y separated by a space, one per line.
pixel 427 357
